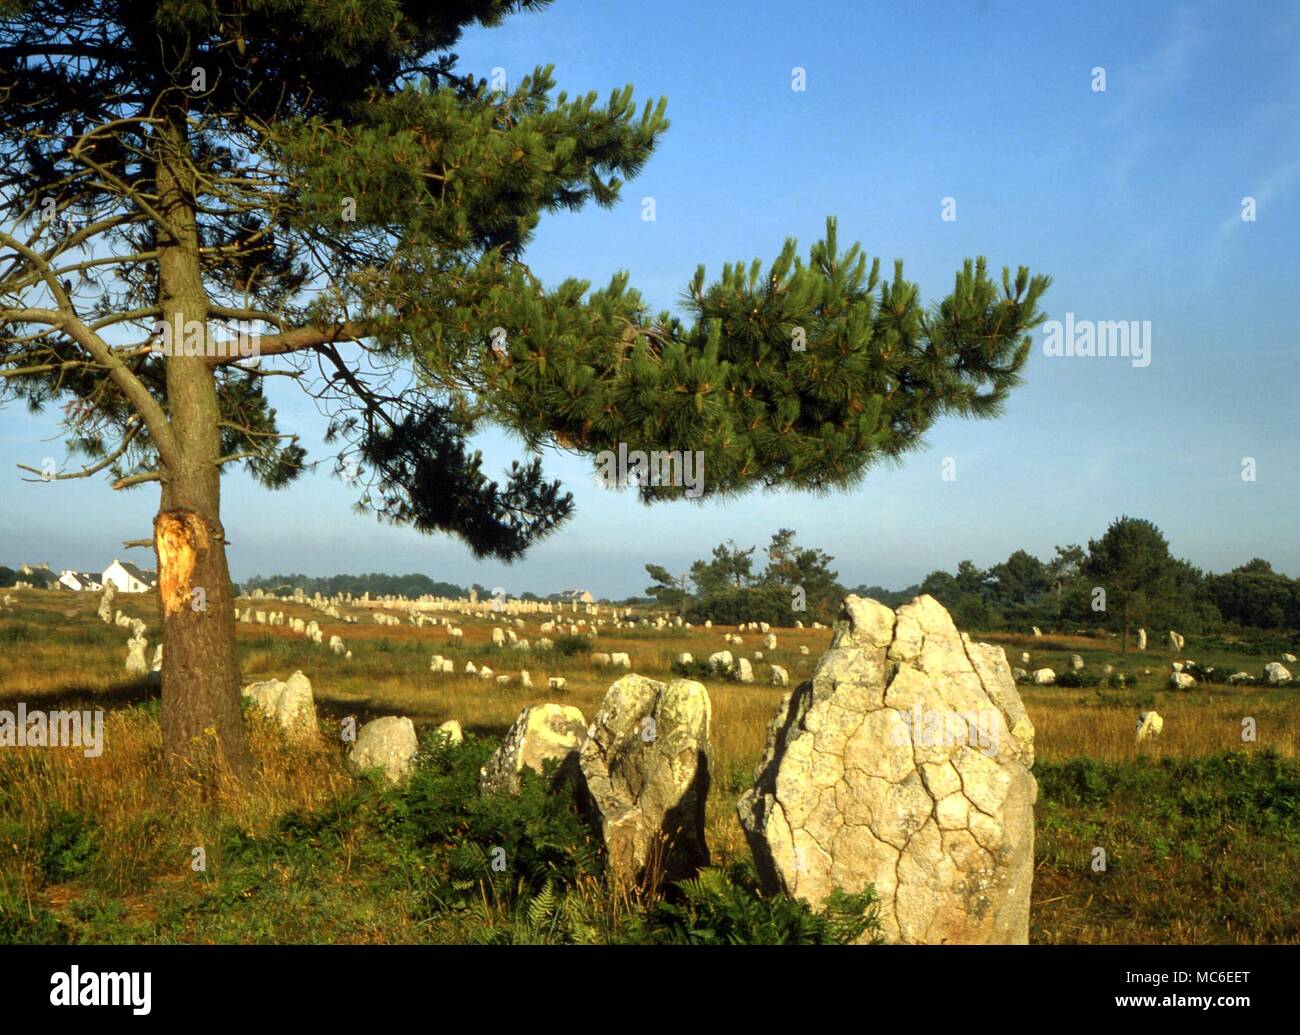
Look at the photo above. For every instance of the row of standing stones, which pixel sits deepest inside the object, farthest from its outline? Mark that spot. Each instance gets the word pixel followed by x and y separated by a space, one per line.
pixel 851 791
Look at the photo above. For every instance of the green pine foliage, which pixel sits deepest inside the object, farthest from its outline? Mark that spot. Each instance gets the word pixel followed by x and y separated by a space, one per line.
pixel 370 203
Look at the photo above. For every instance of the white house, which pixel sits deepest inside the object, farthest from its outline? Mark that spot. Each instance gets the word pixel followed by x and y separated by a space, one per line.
pixel 127 578
pixel 80 581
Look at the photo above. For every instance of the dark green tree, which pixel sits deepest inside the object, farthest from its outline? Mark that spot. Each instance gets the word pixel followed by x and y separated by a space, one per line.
pixel 790 565
pixel 668 590
pixel 1132 564
pixel 1254 595
pixel 1064 571
pixel 730 567
pixel 967 595
pixel 321 171
pixel 1020 579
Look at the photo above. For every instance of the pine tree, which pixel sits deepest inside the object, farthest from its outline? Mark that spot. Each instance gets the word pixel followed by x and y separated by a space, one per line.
pixel 1132 564
pixel 324 171
pixel 790 565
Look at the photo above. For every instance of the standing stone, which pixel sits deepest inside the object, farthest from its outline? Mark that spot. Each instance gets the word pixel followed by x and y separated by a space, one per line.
pixel 722 661
pixel 855 789
pixel 1149 725
pixel 135 663
pixel 157 659
pixel 646 766
pixel 452 732
pixel 1142 639
pixel 1175 641
pixel 1076 662
pixel 1275 674
pixel 337 645
pixel 287 702
pixel 780 677
pixel 769 641
pixel 105 611
pixel 1037 631
pixel 744 671
pixel 388 744
pixel 542 732
pixel 1044 677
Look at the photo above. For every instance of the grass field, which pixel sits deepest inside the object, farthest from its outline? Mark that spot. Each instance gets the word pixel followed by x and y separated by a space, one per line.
pixel 1200 829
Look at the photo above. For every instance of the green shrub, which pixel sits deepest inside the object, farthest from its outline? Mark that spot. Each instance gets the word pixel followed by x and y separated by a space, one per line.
pixel 25 922
pixel 746 604
pixel 65 846
pixel 726 907
pixel 567 646
pixel 694 669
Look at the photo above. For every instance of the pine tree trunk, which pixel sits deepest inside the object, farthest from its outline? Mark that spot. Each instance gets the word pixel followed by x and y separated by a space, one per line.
pixel 201 723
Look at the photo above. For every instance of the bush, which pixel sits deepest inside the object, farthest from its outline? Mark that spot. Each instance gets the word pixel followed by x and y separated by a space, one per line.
pixel 695 669
pixel 65 847
pixel 726 907
pixel 1073 678
pixel 567 646
pixel 24 922
pixel 733 606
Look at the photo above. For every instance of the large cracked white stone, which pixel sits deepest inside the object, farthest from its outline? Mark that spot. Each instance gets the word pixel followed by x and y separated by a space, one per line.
pixel 646 766
pixel 902 763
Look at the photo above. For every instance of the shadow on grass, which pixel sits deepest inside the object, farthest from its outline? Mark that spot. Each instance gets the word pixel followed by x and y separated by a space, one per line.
pixel 118 695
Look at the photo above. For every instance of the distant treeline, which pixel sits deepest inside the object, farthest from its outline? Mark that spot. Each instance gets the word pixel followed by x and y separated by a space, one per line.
pixel 374 583
pixel 1126 579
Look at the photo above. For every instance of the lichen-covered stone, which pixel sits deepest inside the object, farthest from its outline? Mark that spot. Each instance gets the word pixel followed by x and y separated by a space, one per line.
pixel 646 767
pixel 388 744
pixel 542 732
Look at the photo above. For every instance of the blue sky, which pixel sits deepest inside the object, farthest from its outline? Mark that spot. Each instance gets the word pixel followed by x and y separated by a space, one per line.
pixel 1130 199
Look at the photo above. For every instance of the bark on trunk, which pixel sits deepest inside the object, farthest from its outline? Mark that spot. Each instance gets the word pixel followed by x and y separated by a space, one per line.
pixel 201 722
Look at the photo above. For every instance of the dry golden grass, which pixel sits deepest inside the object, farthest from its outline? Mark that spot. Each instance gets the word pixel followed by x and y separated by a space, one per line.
pixel 53 649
